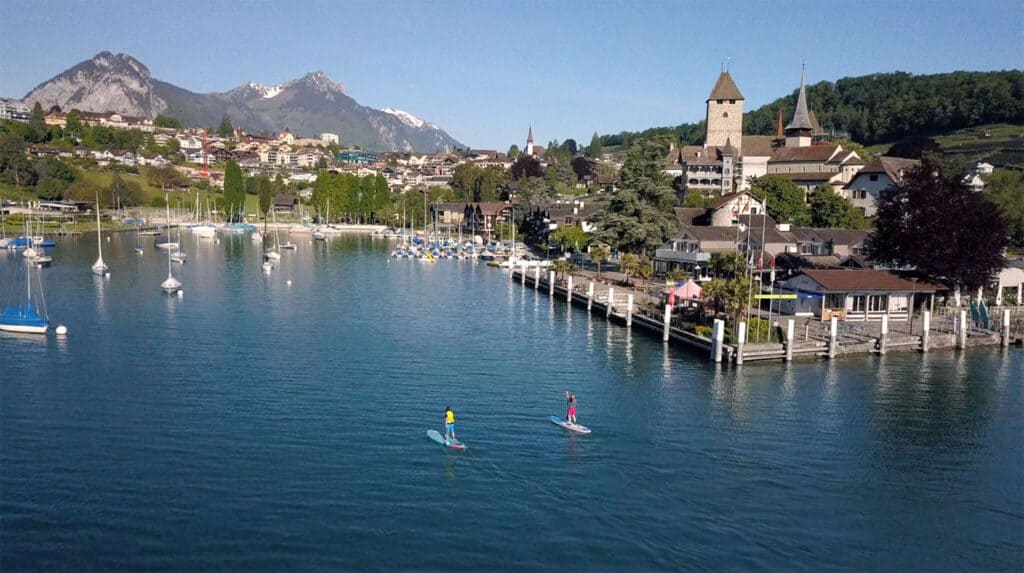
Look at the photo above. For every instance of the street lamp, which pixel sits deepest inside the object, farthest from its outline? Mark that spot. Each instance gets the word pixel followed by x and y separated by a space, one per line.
pixel 696 272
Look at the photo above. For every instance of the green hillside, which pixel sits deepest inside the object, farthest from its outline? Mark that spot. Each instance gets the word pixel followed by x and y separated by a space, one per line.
pixel 880 107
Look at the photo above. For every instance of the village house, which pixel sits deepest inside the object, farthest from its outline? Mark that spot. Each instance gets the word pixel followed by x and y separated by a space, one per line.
pixel 866 186
pixel 691 249
pixel 853 294
pixel 476 218
pixel 284 203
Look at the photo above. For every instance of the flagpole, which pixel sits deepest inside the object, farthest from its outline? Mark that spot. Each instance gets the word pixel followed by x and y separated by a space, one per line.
pixel 760 266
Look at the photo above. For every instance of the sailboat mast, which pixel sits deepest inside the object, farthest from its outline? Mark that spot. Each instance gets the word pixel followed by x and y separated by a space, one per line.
pixel 99 237
pixel 167 206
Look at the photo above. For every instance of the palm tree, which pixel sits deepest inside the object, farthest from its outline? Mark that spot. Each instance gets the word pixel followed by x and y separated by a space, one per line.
pixel 731 294
pixel 629 264
pixel 726 265
pixel 598 255
pixel 646 270
pixel 561 266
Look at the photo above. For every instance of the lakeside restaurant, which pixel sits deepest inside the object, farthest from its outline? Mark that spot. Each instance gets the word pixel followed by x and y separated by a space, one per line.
pixel 853 294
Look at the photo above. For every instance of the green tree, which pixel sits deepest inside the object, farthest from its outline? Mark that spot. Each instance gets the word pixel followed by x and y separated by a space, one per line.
pixel 225 129
pixel 639 217
pixel 533 191
pixel 513 152
pixel 599 254
pixel 15 166
pixel 566 236
pixel 121 193
pixel 646 268
pixel 73 126
pixel 727 264
pixel 526 166
pixel 784 200
pixel 265 192
pixel 931 221
pixel 51 189
pixel 234 187
pixel 596 149
pixel 38 131
pixel 167 121
pixel 563 267
pixel 730 294
pixel 1005 188
pixel 829 209
pixel 629 264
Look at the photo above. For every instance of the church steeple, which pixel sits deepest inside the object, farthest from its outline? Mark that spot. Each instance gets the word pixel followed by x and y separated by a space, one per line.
pixel 798 132
pixel 529 143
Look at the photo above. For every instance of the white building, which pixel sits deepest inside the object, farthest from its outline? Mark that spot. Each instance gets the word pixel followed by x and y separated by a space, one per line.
pixel 876 177
pixel 329 138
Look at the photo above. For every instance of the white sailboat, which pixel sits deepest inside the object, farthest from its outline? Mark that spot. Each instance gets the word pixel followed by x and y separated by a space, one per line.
pixel 24 318
pixel 171 285
pixel 274 253
pixel 99 267
pixel 178 255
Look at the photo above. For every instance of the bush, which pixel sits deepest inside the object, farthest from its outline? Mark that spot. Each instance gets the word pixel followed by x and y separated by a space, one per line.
pixel 703 330
pixel 760 330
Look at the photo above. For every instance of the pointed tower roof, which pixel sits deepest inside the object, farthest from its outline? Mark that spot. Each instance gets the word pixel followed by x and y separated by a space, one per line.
pixel 530 137
pixel 729 149
pixel 801 119
pixel 725 88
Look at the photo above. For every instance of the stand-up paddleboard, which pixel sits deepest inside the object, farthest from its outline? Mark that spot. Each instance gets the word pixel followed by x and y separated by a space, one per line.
pixel 559 421
pixel 455 445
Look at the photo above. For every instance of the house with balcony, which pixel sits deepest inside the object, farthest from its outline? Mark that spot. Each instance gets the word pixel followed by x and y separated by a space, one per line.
pixel 691 249
pixel 853 294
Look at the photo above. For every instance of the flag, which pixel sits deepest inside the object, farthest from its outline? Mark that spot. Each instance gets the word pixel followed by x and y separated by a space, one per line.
pixel 672 297
pixel 773 263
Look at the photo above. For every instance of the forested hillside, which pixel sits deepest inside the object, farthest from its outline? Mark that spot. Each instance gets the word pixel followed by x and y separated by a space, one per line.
pixel 881 107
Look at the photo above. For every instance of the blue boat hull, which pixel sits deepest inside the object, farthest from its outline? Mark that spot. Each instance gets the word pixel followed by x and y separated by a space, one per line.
pixel 23 319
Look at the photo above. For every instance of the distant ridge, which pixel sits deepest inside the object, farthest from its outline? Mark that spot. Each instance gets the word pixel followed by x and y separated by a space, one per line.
pixel 307 106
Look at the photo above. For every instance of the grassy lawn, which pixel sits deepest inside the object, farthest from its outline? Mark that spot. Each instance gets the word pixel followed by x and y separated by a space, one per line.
pixel 969 143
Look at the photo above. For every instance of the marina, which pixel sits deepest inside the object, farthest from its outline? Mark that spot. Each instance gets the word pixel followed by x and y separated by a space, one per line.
pixel 216 430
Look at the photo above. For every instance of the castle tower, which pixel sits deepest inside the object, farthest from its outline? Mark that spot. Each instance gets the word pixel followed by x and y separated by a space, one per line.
pixel 798 132
pixel 529 143
pixel 725 114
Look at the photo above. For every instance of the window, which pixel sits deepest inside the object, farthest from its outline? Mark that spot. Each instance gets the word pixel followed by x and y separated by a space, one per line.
pixel 719 102
pixel 878 303
pixel 725 114
pixel 873 177
pixel 835 301
pixel 732 101
pixel 858 301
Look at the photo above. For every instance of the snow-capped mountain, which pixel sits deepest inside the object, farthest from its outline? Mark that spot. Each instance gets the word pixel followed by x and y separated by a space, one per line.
pixel 306 106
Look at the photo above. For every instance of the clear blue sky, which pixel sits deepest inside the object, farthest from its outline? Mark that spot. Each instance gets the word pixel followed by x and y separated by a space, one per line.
pixel 486 71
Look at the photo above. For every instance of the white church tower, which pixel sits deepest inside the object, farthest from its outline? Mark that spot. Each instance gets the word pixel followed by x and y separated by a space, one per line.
pixel 529 143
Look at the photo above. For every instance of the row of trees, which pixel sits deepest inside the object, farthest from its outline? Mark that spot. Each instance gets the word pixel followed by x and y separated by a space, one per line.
pixel 349 196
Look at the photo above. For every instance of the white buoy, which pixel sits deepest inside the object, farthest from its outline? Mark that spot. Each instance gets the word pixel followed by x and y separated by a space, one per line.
pixel 62 330
pixel 181 294
pixel 106 276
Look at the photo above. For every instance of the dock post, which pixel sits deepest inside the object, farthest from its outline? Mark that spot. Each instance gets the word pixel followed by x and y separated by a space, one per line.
pixel 716 348
pixel 789 340
pixel 536 278
pixel 522 277
pixel 551 283
pixel 667 327
pixel 568 292
pixel 611 299
pixel 884 338
pixel 833 336
pixel 719 340
pixel 961 340
pixel 590 296
pixel 926 327
pixel 1006 327
pixel 741 339
pixel 629 310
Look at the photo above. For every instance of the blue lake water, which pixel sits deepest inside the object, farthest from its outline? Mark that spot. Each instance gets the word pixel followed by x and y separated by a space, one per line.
pixel 253 425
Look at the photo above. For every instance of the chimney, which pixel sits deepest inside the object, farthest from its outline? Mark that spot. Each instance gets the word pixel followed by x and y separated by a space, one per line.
pixel 783 227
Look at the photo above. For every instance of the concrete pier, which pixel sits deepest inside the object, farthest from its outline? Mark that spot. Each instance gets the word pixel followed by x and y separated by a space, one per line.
pixel 629 310
pixel 611 302
pixel 568 289
pixel 833 336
